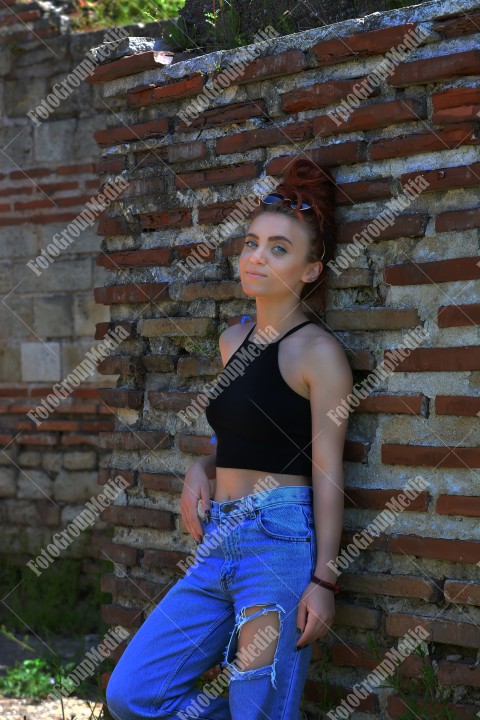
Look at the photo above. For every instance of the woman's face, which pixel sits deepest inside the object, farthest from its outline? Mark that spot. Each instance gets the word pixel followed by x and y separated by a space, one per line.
pixel 275 247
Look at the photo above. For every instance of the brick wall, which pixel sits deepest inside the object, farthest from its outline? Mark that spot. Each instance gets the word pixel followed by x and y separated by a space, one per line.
pixel 421 270
pixel 49 321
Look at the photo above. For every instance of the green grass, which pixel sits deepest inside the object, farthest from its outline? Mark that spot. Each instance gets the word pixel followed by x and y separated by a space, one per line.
pixel 91 15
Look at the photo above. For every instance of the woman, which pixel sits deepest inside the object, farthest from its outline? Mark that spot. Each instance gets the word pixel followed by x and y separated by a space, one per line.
pixel 260 590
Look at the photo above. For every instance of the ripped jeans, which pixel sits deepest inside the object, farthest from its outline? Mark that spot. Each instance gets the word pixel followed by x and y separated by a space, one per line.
pixel 255 560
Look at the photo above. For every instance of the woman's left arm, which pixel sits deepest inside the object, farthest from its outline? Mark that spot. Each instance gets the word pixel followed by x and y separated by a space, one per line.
pixel 329 376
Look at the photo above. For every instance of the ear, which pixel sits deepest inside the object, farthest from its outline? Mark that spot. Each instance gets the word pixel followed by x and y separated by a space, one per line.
pixel 314 272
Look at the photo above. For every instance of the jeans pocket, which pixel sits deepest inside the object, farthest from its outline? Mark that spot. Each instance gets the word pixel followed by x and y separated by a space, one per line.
pixel 286 521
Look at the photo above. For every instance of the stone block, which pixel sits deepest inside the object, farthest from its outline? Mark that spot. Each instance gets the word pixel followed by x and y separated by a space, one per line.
pixel 18 147
pixel 52 461
pixel 61 275
pixel 16 317
pixel 8 486
pixel 53 316
pixel 40 362
pixel 10 369
pixel 86 314
pixel 75 486
pixel 34 485
pixel 29 459
pixel 18 241
pixel 20 97
pixel 79 460
pixel 53 141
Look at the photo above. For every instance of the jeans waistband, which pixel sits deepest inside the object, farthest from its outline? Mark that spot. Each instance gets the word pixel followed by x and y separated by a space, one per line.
pixel 285 493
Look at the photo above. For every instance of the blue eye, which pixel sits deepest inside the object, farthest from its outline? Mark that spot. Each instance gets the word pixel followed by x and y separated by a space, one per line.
pixel 275 246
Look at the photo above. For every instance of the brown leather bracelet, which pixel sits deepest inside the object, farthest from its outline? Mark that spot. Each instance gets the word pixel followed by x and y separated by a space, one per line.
pixel 331 586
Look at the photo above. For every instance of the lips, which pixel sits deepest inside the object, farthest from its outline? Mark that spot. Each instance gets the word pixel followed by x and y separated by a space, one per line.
pixel 250 272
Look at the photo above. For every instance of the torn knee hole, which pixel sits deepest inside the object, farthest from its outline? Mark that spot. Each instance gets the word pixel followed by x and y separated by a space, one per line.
pixel 258 629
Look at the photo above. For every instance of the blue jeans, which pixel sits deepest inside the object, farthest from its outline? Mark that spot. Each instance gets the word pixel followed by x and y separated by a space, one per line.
pixel 259 549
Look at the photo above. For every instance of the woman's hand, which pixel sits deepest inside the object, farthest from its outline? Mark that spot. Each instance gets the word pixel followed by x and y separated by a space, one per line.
pixel 196 486
pixel 316 613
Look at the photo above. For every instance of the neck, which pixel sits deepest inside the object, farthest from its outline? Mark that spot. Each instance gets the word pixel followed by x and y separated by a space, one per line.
pixel 281 319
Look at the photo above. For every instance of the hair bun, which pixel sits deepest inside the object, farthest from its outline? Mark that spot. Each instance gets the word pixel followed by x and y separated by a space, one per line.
pixel 305 181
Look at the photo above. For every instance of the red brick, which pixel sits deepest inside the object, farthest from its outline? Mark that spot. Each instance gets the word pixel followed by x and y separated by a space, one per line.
pixel 447 178
pixel 164 559
pixel 355 451
pixel 362 44
pixel 458 673
pixel 170 400
pixel 171 91
pixel 138 517
pixel 226 114
pixel 135 258
pixel 448 359
pixel 126 294
pixel 74 168
pixel 462 23
pixel 457 220
pixel 80 440
pixel 270 66
pixel 135 440
pixel 357 656
pixel 44 439
pixel 357 616
pixel 351 277
pixel 161 482
pixel 130 65
pixel 468 505
pixel 464 268
pixel 117 615
pixel 431 456
pixel 317 692
pixel 372 318
pixel 362 191
pixel 26 16
pixel 393 585
pixel 371 117
pixel 440 631
pixel 462 591
pixel 396 707
pixel 457 405
pixel 113 226
pixel 399 404
pixel 119 365
pixel 461 551
pixel 459 315
pixel 194 150
pixel 118 553
pixel 145 186
pixel 117 475
pixel 97 425
pixel 180 217
pixel 376 499
pixel 218 176
pixel 264 137
pixel 320 94
pixel 110 164
pixel 347 153
pixel 455 97
pixel 405 145
pixel 122 398
pixel 402 226
pixel 128 133
pixel 101 329
pixel 194 445
pixel 443 67
pixel 457 115
pixel 62 425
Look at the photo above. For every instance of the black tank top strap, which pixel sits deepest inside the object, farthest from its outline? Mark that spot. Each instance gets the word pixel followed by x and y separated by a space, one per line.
pixel 297 327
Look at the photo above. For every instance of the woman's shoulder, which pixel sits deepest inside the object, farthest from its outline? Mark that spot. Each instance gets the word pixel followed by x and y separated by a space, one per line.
pixel 232 337
pixel 323 353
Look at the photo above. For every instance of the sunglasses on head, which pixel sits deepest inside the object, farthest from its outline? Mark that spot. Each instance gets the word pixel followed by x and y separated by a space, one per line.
pixel 276 197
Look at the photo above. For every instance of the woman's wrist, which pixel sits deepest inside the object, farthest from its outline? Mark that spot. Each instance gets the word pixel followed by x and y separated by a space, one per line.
pixel 333 587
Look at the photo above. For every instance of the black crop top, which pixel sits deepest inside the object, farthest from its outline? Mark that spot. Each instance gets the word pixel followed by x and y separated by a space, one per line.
pixel 261 423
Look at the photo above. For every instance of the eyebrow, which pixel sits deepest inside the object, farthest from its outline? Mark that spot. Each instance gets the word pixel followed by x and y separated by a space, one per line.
pixel 272 237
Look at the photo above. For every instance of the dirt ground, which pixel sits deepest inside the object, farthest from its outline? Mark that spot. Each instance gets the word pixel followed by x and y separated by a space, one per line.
pixel 23 709
pixel 13 709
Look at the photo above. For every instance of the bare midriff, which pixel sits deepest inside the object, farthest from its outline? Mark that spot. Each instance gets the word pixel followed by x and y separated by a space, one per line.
pixel 234 483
